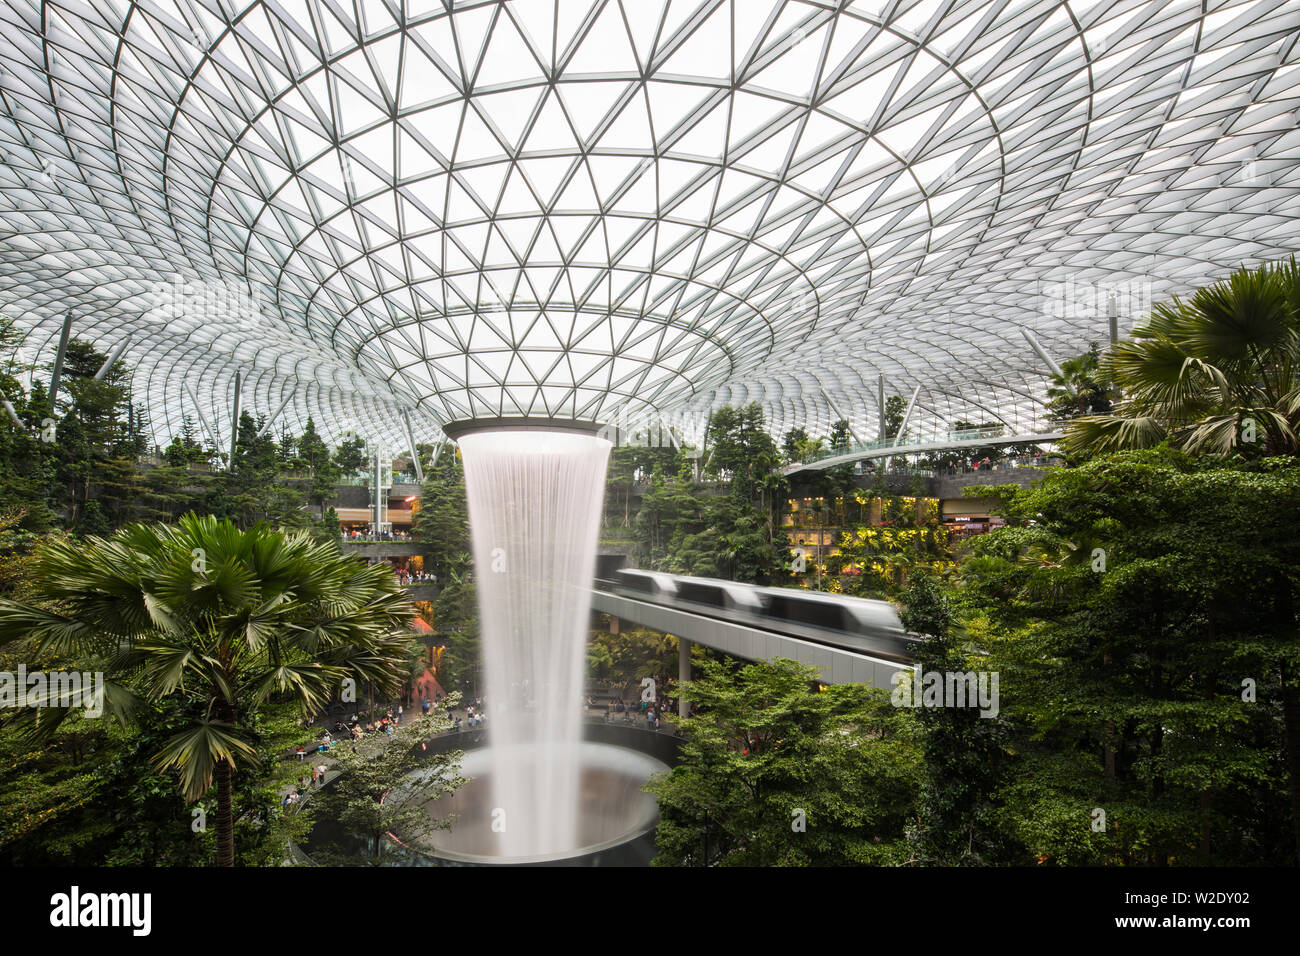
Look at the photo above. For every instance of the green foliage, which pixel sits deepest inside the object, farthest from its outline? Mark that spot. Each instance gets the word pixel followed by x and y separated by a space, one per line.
pixel 1135 595
pixel 895 407
pixel 223 619
pixel 841 438
pixel 1217 373
pixel 456 620
pixel 680 529
pixel 371 768
pixel 631 464
pixel 82 466
pixel 250 491
pixel 795 444
pixel 631 654
pixel 441 522
pixel 350 456
pixel 185 448
pixel 767 752
pixel 883 538
pixel 90 795
pixel 964 749
pixel 685 527
pixel 741 451
pixel 1081 389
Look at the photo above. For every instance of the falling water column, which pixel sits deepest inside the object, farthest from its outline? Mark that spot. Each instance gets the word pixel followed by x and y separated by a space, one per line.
pixel 535 497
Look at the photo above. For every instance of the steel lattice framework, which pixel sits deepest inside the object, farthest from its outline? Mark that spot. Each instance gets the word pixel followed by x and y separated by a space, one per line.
pixel 579 207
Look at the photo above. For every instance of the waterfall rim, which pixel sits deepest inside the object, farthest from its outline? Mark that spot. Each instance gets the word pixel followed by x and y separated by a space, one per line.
pixel 458 429
pixel 591 754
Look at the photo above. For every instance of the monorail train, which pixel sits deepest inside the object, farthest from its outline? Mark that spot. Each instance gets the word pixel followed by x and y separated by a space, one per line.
pixel 850 623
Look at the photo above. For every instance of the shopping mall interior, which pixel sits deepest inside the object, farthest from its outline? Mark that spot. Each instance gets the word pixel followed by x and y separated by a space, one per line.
pixel 688 433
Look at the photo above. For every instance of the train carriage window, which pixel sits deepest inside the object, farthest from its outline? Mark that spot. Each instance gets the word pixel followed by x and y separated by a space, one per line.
pixel 637 582
pixel 700 593
pixel 814 613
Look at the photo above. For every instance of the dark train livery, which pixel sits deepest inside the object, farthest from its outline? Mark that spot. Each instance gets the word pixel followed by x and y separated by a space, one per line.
pixel 836 620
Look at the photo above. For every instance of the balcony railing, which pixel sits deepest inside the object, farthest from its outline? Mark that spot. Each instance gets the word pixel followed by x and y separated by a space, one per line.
pixel 956 435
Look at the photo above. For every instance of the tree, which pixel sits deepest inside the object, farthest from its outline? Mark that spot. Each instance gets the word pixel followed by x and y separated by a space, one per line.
pixel 226 619
pixel 325 483
pixel 441 522
pixel 841 437
pixel 456 620
pixel 1080 389
pixel 838 481
pixel 793 444
pixel 620 479
pixel 629 464
pixel 312 448
pixel 957 813
pixel 895 407
pixel 330 525
pixel 1218 373
pixel 251 491
pixel 1153 662
pixel 350 456
pixel 741 450
pixel 370 770
pixel 631 654
pixel 670 507
pixel 95 446
pixel 776 771
pixel 731 540
pixel 876 562
pixel 185 448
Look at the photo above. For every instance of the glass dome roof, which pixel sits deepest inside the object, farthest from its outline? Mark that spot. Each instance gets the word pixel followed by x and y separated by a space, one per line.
pixel 600 209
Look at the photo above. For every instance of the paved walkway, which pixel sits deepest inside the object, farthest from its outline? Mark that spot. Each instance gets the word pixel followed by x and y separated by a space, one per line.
pixel 594 712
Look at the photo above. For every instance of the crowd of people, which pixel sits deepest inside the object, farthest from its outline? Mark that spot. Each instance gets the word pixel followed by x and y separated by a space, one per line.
pixel 651 712
pixel 474 716
pixel 359 726
pixel 317 780
pixel 406 577
pixel 1036 460
pixel 365 534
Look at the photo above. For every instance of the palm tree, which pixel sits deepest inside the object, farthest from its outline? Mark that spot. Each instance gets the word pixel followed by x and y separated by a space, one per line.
pixel 226 618
pixel 1217 373
pixel 1079 389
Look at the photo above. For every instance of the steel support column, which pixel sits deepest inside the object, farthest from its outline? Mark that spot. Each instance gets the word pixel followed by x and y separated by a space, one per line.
pixel 410 443
pixel 112 359
pixel 880 402
pixel 683 673
pixel 1047 359
pixel 57 377
pixel 234 416
pixel 274 415
pixel 203 421
pixel 907 415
